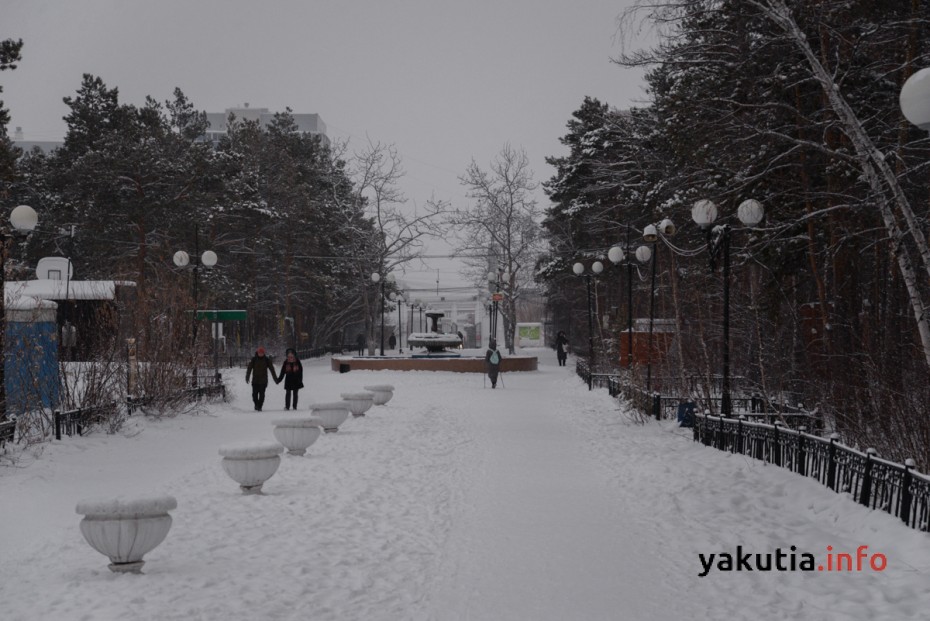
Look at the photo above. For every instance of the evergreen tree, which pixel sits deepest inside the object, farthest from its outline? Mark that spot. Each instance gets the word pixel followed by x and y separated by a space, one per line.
pixel 10 54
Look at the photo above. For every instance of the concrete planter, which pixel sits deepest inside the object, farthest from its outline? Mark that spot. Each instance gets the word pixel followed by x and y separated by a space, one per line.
pixel 126 529
pixel 358 402
pixel 382 392
pixel 297 434
pixel 250 465
pixel 332 414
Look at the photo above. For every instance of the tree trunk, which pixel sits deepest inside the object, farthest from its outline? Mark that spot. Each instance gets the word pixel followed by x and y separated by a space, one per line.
pixel 870 158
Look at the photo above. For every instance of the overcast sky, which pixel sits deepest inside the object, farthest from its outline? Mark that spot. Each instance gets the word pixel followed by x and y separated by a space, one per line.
pixel 446 82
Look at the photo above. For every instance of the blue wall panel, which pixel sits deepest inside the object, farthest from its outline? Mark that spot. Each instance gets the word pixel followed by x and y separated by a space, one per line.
pixel 31 366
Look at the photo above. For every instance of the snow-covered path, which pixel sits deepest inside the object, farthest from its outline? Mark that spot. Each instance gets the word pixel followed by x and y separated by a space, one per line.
pixel 534 498
pixel 536 501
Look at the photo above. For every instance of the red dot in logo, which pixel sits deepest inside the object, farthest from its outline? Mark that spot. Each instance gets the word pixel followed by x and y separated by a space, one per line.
pixel 819 567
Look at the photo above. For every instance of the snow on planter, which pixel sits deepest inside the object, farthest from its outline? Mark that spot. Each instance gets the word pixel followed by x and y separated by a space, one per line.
pixel 358 402
pixel 297 434
pixel 383 393
pixel 251 464
pixel 125 529
pixel 332 414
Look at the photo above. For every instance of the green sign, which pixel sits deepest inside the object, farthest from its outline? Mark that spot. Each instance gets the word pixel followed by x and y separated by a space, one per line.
pixel 529 332
pixel 222 315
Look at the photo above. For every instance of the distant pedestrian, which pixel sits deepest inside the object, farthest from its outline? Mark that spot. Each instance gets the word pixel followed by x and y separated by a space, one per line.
pixel 392 342
pixel 360 342
pixel 492 359
pixel 292 372
pixel 462 338
pixel 561 342
pixel 258 370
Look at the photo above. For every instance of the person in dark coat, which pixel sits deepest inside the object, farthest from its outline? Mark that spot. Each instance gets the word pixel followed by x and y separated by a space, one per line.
pixel 360 341
pixel 292 372
pixel 492 359
pixel 392 342
pixel 258 370
pixel 561 342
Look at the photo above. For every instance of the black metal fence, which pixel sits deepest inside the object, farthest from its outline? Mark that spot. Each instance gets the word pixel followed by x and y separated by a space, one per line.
pixel 593 380
pixel 198 393
pixel 7 432
pixel 303 354
pixel 76 421
pixel 873 482
pixel 660 406
pixel 71 422
pixel 786 436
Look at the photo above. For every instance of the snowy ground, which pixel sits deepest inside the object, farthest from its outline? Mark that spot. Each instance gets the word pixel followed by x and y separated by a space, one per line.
pixel 536 501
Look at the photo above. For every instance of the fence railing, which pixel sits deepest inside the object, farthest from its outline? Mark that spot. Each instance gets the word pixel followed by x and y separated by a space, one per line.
pixel 615 386
pixel 76 421
pixel 7 432
pixel 787 439
pixel 660 406
pixel 316 352
pixel 198 393
pixel 871 481
pixel 71 422
pixel 205 377
pixel 304 354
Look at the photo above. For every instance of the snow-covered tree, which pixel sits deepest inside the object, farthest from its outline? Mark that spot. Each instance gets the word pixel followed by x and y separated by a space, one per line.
pixel 503 224
pixel 398 232
pixel 10 54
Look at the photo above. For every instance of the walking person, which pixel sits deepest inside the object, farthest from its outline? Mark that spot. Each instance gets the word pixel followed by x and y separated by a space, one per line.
pixel 360 342
pixel 492 359
pixel 561 342
pixel 292 372
pixel 258 370
pixel 392 342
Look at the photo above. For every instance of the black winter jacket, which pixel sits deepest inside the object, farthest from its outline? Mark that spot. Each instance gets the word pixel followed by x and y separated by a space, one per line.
pixel 259 369
pixel 293 375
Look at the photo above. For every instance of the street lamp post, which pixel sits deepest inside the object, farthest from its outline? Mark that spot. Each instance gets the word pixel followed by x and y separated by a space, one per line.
pixel 400 299
pixel 400 346
pixel 495 280
pixel 750 212
pixel 651 235
pixel 596 268
pixel 506 293
pixel 376 278
pixel 494 286
pixel 617 256
pixel 23 220
pixel 207 259
pixel 418 303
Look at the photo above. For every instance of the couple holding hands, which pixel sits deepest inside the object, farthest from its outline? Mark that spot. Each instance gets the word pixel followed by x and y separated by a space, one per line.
pixel 259 369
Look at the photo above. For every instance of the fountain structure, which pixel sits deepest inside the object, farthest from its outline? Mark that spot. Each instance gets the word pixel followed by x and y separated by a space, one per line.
pixel 434 341
pixel 435 355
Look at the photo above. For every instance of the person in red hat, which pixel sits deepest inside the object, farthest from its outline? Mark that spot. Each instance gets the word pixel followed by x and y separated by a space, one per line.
pixel 259 368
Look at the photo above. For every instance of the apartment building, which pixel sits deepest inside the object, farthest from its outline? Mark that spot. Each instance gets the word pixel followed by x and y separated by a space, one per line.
pixel 306 123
